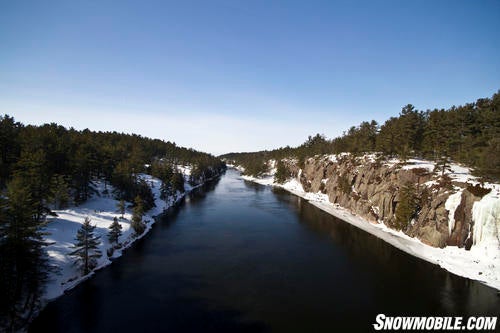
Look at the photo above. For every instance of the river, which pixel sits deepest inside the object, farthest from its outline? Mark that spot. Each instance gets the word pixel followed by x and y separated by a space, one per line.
pixel 235 256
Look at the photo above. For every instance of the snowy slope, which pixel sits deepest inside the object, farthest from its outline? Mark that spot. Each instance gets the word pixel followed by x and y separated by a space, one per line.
pixel 101 211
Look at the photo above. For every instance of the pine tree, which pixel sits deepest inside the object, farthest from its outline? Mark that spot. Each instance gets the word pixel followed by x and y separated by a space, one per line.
pixel 196 177
pixel 87 247
pixel 164 172
pixel 443 164
pixel 59 195
pixel 282 173
pixel 23 263
pixel 407 206
pixel 165 190
pixel 178 183
pixel 121 207
pixel 115 231
pixel 137 213
pixel 32 170
pixel 387 138
pixel 9 146
pixel 84 162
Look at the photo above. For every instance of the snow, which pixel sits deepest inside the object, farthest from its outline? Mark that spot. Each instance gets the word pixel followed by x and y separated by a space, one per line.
pixel 272 164
pixel 101 210
pixel 486 217
pixel 456 172
pixel 451 205
pixel 336 157
pixel 266 180
pixel 185 169
pixel 419 164
pixel 372 158
pixel 237 167
pixel 460 173
pixel 392 162
pixel 475 264
pixel 431 183
pixel 332 157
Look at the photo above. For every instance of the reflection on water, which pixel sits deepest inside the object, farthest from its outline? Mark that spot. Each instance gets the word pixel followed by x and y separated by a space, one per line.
pixel 235 256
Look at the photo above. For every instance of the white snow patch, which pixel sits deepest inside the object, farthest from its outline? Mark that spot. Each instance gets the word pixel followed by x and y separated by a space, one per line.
pixel 417 164
pixel 332 158
pixel 266 180
pixel 335 157
pixel 460 173
pixel 372 158
pixel 237 167
pixel 392 162
pixel 451 205
pixel 431 183
pixel 185 169
pixel 272 164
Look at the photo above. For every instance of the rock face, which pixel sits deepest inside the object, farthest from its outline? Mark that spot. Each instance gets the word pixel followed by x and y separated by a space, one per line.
pixel 462 232
pixel 373 190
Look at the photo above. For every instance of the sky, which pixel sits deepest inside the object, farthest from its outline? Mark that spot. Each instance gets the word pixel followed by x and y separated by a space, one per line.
pixel 226 76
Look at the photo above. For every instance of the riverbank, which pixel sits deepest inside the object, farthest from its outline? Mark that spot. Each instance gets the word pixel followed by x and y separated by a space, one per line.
pixel 477 263
pixel 239 257
pixel 101 210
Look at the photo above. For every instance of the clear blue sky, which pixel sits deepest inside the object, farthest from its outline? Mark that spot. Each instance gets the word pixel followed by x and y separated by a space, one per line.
pixel 224 76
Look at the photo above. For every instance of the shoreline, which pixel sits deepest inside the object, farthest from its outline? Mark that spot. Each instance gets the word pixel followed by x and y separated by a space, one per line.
pixel 470 264
pixel 63 281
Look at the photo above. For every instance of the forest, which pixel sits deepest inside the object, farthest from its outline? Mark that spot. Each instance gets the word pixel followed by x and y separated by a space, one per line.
pixel 469 134
pixel 49 167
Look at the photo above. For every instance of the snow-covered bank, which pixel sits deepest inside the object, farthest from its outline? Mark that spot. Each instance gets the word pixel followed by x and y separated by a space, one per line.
pixel 101 210
pixel 481 263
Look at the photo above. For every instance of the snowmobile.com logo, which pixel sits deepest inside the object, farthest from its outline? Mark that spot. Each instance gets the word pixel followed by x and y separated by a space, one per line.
pixel 383 322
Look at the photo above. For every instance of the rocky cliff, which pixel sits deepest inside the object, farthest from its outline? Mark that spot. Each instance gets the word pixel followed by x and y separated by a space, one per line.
pixel 411 196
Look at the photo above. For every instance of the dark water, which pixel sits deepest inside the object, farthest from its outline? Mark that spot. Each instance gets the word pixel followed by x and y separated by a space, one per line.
pixel 240 257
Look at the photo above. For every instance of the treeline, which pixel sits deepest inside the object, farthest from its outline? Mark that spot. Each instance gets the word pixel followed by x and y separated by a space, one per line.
pixel 49 167
pixel 469 134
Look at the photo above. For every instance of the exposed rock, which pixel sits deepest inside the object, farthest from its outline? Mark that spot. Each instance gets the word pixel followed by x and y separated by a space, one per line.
pixel 371 190
pixel 462 232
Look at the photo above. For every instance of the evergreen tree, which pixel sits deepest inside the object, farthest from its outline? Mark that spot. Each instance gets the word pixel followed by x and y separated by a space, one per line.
pixel 143 190
pixel 84 163
pixel 407 207
pixel 31 170
pixel 23 264
pixel 9 146
pixel 410 131
pixel 137 213
pixel 490 164
pixel 124 180
pixel 115 231
pixel 282 173
pixel 178 183
pixel 121 207
pixel 60 192
pixel 197 175
pixel 165 190
pixel 443 164
pixel 387 137
pixel 164 172
pixel 87 247
pixel 317 144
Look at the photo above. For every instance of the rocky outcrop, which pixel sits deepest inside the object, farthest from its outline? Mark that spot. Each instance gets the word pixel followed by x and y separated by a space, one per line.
pixel 462 232
pixel 373 189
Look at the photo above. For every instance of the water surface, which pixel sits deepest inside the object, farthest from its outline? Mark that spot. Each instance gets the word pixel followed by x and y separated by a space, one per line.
pixel 240 257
